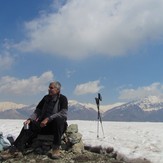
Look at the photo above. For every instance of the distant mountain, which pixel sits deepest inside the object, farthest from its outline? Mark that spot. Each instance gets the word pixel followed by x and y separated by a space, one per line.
pixel 86 111
pixel 147 109
pixel 79 111
pixel 149 103
pixel 16 113
pixel 10 110
pixel 76 111
pixel 10 105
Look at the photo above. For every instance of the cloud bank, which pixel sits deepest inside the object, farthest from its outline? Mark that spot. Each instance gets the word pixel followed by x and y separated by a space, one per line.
pixel 88 88
pixel 155 89
pixel 31 86
pixel 89 27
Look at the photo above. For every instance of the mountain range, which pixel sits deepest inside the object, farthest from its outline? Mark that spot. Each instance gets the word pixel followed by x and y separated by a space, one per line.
pixel 142 110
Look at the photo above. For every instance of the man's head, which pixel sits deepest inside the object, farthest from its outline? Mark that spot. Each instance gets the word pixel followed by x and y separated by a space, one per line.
pixel 54 88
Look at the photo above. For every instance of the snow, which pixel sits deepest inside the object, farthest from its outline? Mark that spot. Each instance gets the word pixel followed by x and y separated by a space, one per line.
pixel 149 103
pixel 133 139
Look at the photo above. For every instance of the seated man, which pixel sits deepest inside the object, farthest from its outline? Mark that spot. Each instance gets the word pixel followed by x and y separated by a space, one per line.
pixel 50 115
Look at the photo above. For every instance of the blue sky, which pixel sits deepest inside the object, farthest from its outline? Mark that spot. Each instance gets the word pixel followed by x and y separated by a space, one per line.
pixel 112 47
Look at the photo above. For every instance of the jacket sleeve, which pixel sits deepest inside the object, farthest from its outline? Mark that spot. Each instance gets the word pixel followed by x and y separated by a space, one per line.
pixel 63 109
pixel 38 110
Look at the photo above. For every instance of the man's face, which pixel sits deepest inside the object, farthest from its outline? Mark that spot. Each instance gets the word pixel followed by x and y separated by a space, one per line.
pixel 53 90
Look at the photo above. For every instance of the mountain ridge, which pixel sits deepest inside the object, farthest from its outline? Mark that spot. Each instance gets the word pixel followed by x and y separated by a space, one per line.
pixel 10 105
pixel 142 110
pixel 145 109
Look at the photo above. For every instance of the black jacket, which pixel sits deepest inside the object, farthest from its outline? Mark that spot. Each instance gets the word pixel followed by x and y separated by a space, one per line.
pixel 59 109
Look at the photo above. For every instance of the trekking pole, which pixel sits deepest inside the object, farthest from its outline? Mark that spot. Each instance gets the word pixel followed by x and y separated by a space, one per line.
pixel 99 119
pixel 101 125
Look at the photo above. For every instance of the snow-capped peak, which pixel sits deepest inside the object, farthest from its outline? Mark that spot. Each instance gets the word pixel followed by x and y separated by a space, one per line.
pixel 152 100
pixel 149 103
pixel 103 108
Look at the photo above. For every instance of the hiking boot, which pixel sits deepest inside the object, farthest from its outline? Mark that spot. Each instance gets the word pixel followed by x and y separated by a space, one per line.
pixel 55 154
pixel 13 149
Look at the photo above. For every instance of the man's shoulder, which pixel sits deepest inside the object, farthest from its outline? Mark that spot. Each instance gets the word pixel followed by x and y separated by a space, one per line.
pixel 62 96
pixel 63 101
pixel 46 96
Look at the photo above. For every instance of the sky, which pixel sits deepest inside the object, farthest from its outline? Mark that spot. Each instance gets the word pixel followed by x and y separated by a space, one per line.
pixel 132 140
pixel 111 47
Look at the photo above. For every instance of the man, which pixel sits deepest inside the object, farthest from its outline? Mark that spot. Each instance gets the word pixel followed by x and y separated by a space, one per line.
pixel 49 115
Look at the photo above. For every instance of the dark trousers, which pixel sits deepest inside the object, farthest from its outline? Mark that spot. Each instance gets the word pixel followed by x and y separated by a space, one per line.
pixel 56 127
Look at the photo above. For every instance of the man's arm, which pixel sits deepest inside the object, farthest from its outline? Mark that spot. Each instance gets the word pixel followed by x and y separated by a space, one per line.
pixel 37 111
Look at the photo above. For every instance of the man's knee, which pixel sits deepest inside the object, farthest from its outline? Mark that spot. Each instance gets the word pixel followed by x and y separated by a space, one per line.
pixel 35 126
pixel 59 120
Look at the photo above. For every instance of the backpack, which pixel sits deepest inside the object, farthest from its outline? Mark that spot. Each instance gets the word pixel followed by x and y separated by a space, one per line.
pixel 4 142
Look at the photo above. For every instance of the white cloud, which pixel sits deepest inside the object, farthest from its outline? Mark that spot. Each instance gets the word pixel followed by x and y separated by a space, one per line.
pixel 6 61
pixel 88 88
pixel 89 27
pixel 155 89
pixel 31 86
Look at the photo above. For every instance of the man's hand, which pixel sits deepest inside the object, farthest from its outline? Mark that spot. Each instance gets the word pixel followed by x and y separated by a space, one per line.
pixel 27 121
pixel 44 122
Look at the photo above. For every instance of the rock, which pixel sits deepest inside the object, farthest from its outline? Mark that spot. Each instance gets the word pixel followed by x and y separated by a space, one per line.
pixel 78 148
pixel 73 128
pixel 74 138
